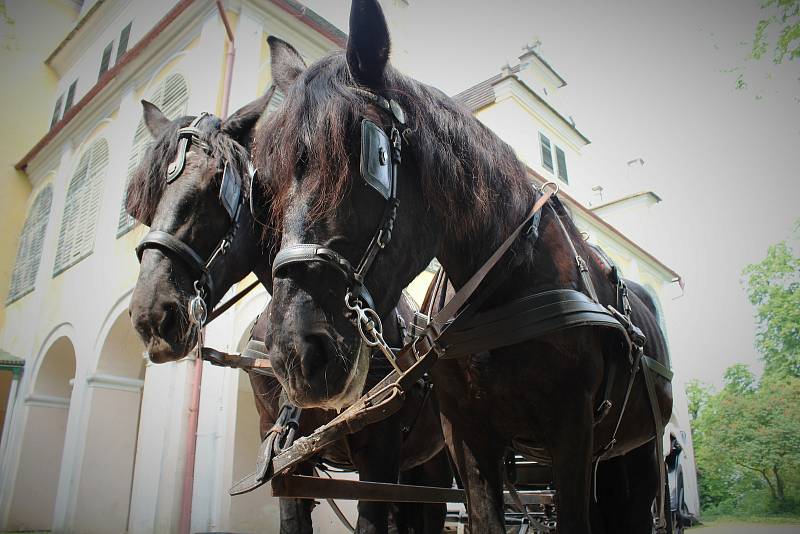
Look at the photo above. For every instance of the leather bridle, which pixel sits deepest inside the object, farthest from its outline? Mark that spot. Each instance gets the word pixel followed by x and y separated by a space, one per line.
pixel 380 161
pixel 232 199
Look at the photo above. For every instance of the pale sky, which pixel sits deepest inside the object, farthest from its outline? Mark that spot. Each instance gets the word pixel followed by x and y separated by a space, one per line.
pixel 651 79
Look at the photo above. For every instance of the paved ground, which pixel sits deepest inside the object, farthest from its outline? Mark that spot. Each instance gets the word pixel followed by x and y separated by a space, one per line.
pixel 744 528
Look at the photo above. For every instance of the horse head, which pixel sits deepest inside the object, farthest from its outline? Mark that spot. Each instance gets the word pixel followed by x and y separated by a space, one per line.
pixel 192 189
pixel 350 209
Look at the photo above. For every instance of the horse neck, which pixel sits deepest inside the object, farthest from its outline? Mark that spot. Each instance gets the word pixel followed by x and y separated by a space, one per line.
pixel 469 234
pixel 547 262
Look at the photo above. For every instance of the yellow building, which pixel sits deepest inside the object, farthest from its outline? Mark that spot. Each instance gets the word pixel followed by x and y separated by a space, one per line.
pixel 94 435
pixel 93 438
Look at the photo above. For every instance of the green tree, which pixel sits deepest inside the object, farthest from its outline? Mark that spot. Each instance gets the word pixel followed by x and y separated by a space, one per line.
pixel 698 395
pixel 747 436
pixel 783 16
pixel 739 380
pixel 773 286
pixel 758 432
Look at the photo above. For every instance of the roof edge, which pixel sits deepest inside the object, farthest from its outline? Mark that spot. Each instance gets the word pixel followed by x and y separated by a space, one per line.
pixel 626 198
pixel 546 64
pixel 74 31
pixel 312 19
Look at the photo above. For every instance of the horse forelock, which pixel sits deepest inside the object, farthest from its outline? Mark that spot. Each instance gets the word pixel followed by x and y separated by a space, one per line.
pixel 148 182
pixel 463 166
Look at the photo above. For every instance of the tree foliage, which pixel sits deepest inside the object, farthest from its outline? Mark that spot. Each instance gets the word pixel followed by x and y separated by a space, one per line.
pixel 747 436
pixel 773 286
pixel 783 16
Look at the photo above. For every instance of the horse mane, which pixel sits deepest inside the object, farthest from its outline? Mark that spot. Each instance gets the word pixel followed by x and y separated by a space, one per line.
pixel 464 167
pixel 148 182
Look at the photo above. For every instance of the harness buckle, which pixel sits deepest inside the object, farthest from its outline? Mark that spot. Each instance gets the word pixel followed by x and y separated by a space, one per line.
pixel 435 347
pixel 198 311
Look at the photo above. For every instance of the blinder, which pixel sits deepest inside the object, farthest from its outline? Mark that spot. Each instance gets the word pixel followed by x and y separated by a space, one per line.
pixel 230 190
pixel 187 135
pixel 375 165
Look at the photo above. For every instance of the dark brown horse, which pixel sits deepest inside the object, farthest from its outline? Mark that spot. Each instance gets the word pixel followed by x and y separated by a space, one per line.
pixel 190 209
pixel 460 191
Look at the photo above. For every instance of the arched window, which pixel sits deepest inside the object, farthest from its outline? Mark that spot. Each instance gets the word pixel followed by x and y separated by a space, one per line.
pixel 171 96
pixel 76 237
pixel 29 253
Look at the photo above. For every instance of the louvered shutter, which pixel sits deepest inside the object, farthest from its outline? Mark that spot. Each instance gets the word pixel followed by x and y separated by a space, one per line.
pixel 561 159
pixel 171 96
pixel 82 205
pixel 29 252
pixel 547 154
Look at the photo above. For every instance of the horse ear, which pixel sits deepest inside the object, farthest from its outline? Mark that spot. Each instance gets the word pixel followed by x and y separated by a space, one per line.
pixel 155 121
pixel 286 63
pixel 368 45
pixel 241 123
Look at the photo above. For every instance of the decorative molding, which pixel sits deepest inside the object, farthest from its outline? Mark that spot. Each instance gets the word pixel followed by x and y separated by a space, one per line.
pixel 119 383
pixel 47 401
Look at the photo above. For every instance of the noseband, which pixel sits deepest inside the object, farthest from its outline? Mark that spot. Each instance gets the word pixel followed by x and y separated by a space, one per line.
pixel 380 159
pixel 231 198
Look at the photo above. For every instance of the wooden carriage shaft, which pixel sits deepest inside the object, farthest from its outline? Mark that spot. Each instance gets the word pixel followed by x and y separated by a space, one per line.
pixel 309 487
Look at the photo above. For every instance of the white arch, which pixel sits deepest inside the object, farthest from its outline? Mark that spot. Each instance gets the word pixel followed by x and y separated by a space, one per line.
pixel 148 85
pixel 91 135
pixel 66 330
pixel 120 306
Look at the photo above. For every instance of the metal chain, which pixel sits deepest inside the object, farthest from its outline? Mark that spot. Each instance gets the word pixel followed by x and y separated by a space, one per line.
pixel 369 327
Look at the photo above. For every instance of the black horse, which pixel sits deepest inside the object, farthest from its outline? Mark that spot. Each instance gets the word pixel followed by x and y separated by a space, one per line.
pixel 190 209
pixel 460 191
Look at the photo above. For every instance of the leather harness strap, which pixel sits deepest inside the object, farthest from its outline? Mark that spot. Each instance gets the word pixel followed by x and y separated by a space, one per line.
pixel 415 359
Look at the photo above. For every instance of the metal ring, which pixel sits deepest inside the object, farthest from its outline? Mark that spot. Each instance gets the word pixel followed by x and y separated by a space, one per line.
pixel 369 316
pixel 555 186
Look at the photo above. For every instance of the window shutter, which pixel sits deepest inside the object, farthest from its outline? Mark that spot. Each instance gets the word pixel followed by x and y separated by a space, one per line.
pixel 124 36
pixel 57 112
pixel 547 154
pixel 70 96
pixel 171 96
pixel 106 59
pixel 76 235
pixel 561 159
pixel 29 252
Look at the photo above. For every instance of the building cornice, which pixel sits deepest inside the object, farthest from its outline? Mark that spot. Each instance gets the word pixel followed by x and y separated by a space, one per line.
pixel 558 80
pixel 47 401
pixel 649 195
pixel 64 44
pixel 119 383
pixel 313 21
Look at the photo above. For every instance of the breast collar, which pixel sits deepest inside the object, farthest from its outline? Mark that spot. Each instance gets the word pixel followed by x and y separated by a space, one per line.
pixel 232 199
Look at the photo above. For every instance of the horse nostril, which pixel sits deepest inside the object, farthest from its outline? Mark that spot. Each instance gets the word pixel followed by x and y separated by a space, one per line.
pixel 167 321
pixel 313 358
